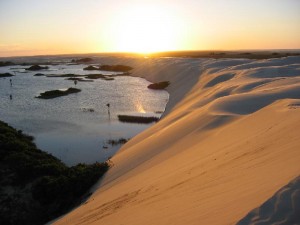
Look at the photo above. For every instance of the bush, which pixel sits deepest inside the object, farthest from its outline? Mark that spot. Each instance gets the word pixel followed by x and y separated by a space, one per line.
pixel 6 75
pixel 58 93
pixel 37 67
pixel 7 63
pixel 137 119
pixel 41 186
pixel 159 86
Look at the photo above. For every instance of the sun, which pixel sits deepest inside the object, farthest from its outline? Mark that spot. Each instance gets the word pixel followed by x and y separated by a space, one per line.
pixel 145 29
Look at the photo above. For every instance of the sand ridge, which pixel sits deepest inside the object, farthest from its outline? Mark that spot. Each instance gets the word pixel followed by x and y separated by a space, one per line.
pixel 228 141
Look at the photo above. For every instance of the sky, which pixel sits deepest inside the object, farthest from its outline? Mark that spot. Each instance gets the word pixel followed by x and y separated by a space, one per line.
pixel 35 27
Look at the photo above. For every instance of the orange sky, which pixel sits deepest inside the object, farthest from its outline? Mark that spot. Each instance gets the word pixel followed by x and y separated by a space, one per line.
pixel 35 27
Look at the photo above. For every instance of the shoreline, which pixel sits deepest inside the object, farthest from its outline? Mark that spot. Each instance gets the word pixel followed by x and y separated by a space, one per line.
pixel 95 187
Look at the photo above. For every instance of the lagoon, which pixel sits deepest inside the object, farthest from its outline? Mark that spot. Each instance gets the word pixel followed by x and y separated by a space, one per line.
pixel 76 128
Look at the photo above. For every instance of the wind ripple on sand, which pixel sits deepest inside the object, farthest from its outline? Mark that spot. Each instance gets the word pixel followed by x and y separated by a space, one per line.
pixel 246 88
pixel 283 208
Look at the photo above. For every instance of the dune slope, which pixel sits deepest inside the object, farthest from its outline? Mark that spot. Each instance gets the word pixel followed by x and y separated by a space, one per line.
pixel 228 141
pixel 282 208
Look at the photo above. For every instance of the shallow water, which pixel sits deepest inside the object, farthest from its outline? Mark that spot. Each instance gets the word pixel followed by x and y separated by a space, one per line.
pixel 65 126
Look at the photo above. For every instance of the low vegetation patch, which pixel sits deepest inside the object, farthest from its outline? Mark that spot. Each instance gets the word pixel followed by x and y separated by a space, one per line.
pixel 39 74
pixel 37 67
pixel 87 109
pixel 6 63
pixel 6 75
pixel 91 68
pixel 108 78
pixel 137 119
pixel 95 76
pixel 112 68
pixel 58 93
pixel 75 78
pixel 114 142
pixel 159 86
pixel 82 60
pixel 36 187
pixel 65 75
pixel 79 79
pixel 116 68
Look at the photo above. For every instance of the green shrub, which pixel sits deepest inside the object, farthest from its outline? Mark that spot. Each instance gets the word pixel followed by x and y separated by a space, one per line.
pixel 42 187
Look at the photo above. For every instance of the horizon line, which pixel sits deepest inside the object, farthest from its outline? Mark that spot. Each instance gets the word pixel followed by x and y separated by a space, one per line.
pixel 158 52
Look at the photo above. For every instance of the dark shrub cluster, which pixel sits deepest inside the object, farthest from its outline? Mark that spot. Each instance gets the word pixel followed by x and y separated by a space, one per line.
pixel 82 60
pixel 36 187
pixel 6 75
pixel 159 86
pixel 6 63
pixel 91 68
pixel 37 67
pixel 112 68
pixel 58 93
pixel 137 119
pixel 120 141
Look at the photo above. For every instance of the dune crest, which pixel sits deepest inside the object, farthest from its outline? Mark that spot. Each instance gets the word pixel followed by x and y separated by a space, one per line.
pixel 228 141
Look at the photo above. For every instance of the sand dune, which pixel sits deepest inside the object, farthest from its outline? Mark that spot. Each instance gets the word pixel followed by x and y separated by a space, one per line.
pixel 282 208
pixel 228 141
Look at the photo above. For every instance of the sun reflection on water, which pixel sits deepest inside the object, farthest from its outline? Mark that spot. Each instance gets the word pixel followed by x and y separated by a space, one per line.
pixel 140 108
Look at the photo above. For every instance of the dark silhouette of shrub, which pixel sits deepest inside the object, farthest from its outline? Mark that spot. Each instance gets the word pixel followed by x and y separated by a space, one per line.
pixel 6 75
pixel 82 60
pixel 113 68
pixel 37 67
pixel 159 86
pixel 137 119
pixel 42 187
pixel 90 68
pixel 39 74
pixel 95 76
pixel 114 142
pixel 6 63
pixel 58 93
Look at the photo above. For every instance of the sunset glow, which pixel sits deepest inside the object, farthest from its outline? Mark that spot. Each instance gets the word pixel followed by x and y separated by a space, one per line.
pixel 145 28
pixel 62 26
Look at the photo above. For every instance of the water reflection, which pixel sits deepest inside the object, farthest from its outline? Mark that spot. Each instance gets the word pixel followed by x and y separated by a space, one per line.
pixel 140 108
pixel 76 127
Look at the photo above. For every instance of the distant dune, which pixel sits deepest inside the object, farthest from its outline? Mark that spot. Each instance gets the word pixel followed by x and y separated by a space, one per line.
pixel 226 148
